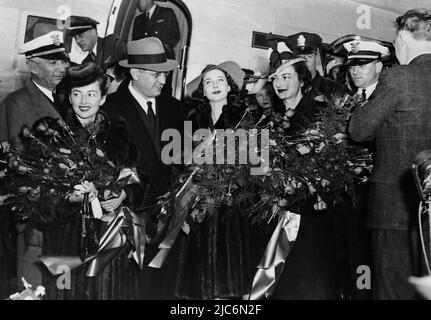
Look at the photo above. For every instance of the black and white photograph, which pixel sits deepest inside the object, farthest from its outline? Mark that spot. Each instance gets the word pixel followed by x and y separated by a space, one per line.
pixel 234 152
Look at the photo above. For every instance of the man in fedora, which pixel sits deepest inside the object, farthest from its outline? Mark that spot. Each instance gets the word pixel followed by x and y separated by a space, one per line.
pixel 47 61
pixel 306 45
pixel 91 47
pixel 148 113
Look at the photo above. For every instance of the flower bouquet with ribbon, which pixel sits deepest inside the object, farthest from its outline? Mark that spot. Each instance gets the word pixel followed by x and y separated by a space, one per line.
pixel 55 163
pixel 315 163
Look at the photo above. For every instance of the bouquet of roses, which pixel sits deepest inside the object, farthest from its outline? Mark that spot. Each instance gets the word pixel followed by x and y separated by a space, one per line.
pixel 318 164
pixel 51 162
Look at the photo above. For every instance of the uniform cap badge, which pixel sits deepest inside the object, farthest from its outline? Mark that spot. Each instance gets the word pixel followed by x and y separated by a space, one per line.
pixel 301 41
pixel 56 39
pixel 355 47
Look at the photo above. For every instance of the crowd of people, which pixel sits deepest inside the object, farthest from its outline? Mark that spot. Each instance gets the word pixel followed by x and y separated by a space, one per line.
pixel 120 88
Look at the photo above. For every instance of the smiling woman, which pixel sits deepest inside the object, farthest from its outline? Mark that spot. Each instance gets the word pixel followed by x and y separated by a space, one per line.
pixel 120 278
pixel 86 99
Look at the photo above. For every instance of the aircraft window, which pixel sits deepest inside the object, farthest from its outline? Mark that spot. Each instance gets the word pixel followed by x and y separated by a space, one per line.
pixel 38 26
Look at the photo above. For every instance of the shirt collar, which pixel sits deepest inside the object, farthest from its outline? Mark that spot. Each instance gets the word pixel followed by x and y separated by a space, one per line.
pixel 368 90
pixel 151 11
pixel 95 49
pixel 77 55
pixel 45 91
pixel 141 99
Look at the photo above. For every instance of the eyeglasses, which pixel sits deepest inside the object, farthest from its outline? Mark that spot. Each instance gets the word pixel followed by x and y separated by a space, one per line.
pixel 157 75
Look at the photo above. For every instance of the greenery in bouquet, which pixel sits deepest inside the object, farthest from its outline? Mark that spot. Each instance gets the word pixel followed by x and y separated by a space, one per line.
pixel 51 161
pixel 315 163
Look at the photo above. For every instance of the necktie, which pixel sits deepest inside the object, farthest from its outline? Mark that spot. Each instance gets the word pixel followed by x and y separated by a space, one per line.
pixel 91 57
pixel 151 116
pixel 147 14
pixel 364 94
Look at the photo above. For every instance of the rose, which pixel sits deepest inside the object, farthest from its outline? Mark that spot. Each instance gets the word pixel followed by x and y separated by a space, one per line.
pixel 42 127
pixel 285 124
pixel 290 113
pixel 26 132
pixel 22 169
pixel 34 194
pixel 5 147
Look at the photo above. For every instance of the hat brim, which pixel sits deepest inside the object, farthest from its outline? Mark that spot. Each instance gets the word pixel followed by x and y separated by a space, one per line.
pixel 75 32
pixel 304 50
pixel 230 67
pixel 284 65
pixel 359 61
pixel 62 56
pixel 169 65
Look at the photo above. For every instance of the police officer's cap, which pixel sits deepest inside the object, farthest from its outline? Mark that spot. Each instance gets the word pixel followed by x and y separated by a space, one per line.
pixel 77 24
pixel 304 42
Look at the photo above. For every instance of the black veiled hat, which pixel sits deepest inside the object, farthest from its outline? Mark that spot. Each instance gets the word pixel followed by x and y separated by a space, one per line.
pixel 83 75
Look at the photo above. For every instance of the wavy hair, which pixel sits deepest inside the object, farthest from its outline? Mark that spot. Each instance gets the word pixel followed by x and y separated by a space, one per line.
pixel 200 106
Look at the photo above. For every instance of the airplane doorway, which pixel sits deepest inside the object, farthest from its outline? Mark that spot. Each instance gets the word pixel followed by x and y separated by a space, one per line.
pixel 124 26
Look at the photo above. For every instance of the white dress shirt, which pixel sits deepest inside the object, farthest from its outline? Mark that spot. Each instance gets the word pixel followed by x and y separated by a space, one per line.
pixel 368 90
pixel 45 91
pixel 151 11
pixel 143 102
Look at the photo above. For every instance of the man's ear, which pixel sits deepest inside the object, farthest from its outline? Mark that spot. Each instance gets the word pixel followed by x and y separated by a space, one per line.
pixel 102 102
pixel 134 74
pixel 379 67
pixel 31 66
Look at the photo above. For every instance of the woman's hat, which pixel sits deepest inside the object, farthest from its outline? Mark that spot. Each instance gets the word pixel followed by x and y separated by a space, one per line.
pixel 83 75
pixel 149 54
pixel 257 83
pixel 284 65
pixel 230 67
pixel 332 64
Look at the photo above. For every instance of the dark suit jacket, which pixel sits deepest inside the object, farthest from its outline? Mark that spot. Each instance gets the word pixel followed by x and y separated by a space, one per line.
pixel 109 49
pixel 327 87
pixel 170 114
pixel 23 107
pixel 398 116
pixel 163 25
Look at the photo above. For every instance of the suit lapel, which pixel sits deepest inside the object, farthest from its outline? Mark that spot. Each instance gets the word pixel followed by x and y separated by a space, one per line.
pixel 42 102
pixel 139 114
pixel 154 18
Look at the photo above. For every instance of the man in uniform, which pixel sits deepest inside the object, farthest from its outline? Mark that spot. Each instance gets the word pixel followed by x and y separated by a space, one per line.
pixel 306 45
pixel 90 47
pixel 364 62
pixel 47 60
pixel 159 22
